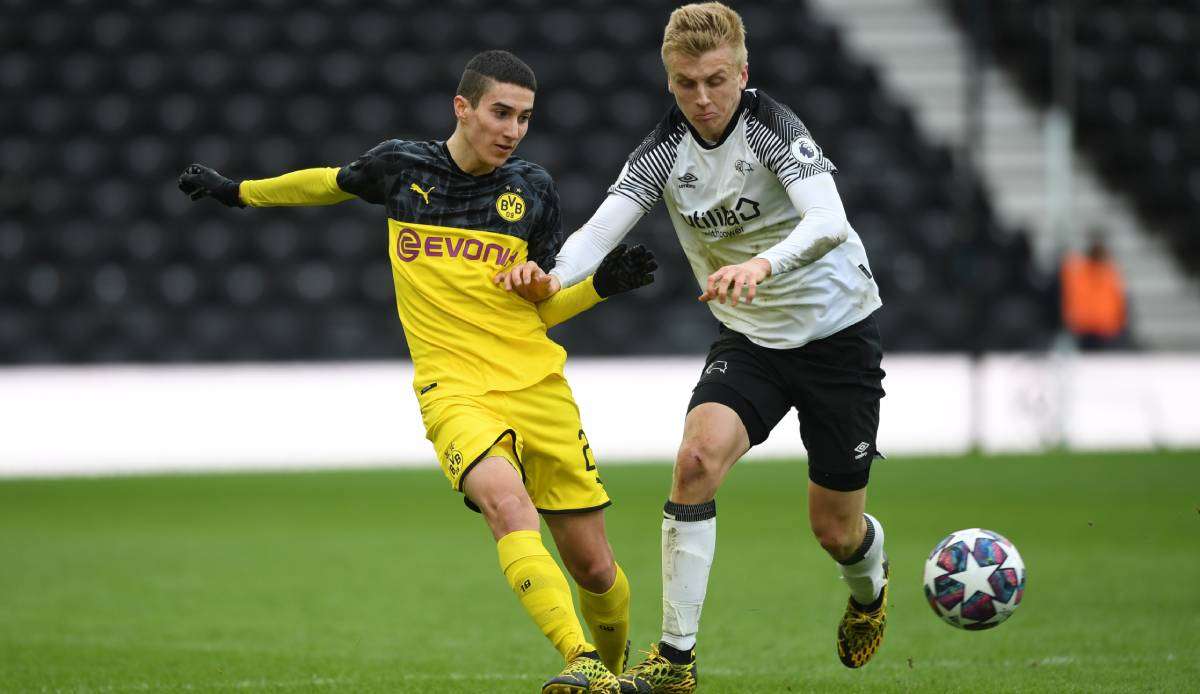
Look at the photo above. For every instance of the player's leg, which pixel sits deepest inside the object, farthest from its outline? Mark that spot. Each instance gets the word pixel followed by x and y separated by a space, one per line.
pixel 479 454
pixel 496 488
pixel 855 540
pixel 564 484
pixel 734 406
pixel 603 587
pixel 852 537
pixel 714 438
pixel 840 388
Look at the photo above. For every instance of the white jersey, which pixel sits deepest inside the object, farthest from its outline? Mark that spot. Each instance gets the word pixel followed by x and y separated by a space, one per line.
pixel 730 202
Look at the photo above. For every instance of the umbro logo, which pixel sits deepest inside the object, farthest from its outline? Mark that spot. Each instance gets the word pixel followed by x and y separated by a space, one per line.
pixel 688 180
pixel 861 449
pixel 717 366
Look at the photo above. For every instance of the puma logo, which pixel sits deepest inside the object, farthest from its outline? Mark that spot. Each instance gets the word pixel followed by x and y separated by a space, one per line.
pixel 423 193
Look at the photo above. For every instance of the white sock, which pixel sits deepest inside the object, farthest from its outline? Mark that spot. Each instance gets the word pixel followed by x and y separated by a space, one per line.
pixel 689 540
pixel 863 572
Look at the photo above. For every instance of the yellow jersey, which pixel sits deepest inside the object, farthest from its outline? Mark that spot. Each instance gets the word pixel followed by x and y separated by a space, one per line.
pixel 449 234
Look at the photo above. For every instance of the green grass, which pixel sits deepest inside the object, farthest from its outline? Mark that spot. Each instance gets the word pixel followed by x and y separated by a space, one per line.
pixel 381 581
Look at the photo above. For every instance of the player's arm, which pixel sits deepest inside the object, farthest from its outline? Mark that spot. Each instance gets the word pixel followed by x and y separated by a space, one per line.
pixel 305 187
pixel 622 270
pixel 364 178
pixel 783 144
pixel 823 227
pixel 637 189
pixel 590 244
pixel 568 303
pixel 580 255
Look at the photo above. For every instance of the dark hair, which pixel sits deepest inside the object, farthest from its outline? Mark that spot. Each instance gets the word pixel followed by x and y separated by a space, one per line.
pixel 494 66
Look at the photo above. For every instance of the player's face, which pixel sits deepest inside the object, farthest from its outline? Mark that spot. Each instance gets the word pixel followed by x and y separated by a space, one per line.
pixel 707 88
pixel 498 123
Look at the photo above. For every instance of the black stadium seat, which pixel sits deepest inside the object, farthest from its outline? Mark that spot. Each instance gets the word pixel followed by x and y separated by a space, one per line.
pixel 1137 104
pixel 102 259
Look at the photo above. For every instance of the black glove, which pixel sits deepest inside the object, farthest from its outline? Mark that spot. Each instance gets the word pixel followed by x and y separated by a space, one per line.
pixel 624 269
pixel 200 181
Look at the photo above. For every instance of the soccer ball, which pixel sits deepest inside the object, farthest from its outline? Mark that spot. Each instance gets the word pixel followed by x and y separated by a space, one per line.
pixel 974 579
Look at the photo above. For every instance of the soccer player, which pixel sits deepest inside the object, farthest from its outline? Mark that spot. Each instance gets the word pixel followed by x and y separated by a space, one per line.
pixel 489 381
pixel 753 202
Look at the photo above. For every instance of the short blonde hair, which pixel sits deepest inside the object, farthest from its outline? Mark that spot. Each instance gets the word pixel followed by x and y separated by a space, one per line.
pixel 700 27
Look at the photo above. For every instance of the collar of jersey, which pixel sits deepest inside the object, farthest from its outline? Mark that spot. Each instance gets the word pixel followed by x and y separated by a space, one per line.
pixel 742 106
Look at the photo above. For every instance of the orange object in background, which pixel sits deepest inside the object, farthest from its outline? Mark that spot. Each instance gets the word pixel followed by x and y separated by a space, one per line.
pixel 1093 296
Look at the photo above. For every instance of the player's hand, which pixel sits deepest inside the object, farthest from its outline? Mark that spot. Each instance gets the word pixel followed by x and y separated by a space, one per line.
pixel 624 269
pixel 199 181
pixel 529 282
pixel 728 283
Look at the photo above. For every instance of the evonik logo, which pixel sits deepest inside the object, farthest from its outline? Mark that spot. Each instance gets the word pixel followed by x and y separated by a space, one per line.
pixel 409 245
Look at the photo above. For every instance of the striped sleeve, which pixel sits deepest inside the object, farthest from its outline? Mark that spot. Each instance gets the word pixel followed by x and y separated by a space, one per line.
pixel 646 172
pixel 783 144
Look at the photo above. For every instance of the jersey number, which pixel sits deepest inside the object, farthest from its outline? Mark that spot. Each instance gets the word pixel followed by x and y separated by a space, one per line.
pixel 587 462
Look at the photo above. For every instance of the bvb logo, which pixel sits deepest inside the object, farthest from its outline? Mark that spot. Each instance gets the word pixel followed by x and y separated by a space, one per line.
pixel 454 460
pixel 510 206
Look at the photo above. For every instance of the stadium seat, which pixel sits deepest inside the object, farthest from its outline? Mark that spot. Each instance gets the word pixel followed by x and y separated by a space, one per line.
pixel 1136 103
pixel 115 101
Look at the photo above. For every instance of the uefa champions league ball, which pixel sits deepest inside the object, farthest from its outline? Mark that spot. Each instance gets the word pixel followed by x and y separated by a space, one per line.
pixel 974 579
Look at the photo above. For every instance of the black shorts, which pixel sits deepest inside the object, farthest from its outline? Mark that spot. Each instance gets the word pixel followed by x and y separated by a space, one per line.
pixel 834 383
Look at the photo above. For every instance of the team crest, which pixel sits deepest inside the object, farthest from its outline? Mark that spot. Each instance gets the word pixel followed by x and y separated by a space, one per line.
pixel 510 206
pixel 454 460
pixel 805 150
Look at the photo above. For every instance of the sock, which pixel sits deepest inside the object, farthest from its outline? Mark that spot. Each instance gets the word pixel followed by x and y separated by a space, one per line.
pixel 863 571
pixel 675 655
pixel 543 591
pixel 689 540
pixel 607 617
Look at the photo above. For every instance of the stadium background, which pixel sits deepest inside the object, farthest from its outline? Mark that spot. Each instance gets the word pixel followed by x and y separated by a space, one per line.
pixel 142 332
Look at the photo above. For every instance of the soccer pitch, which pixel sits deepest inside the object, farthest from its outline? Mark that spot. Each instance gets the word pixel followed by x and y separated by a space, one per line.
pixel 381 581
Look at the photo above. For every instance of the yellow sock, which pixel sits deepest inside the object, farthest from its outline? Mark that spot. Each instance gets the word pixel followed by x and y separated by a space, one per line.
pixel 543 591
pixel 607 616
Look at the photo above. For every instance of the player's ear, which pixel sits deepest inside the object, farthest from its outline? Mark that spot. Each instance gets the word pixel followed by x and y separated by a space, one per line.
pixel 744 76
pixel 462 107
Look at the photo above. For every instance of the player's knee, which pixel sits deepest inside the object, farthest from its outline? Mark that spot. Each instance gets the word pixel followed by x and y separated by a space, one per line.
pixel 835 538
pixel 594 574
pixel 696 463
pixel 702 455
pixel 507 510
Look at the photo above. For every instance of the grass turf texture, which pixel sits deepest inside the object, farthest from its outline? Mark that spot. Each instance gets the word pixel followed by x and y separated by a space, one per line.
pixel 381 581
